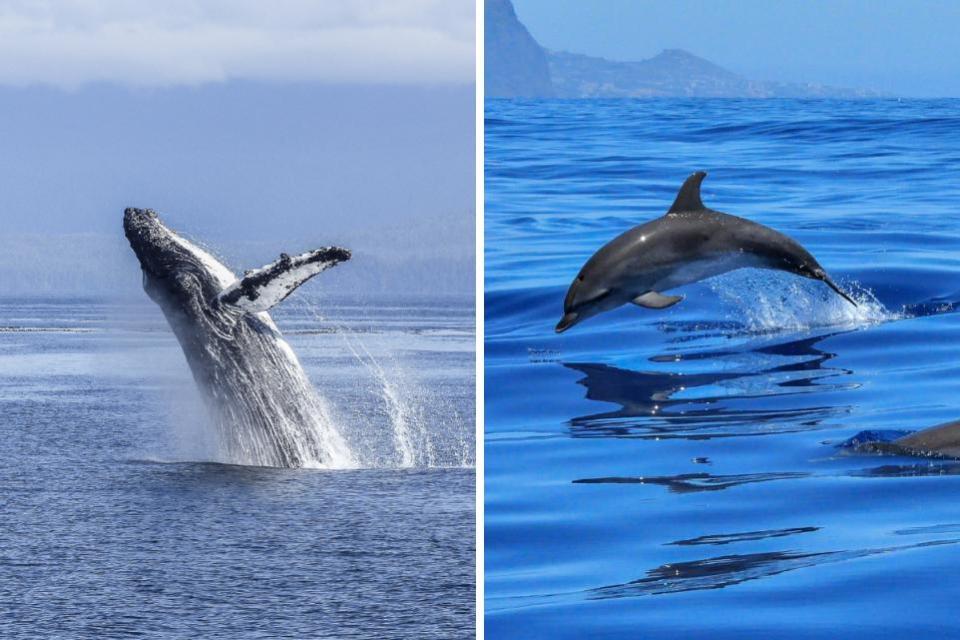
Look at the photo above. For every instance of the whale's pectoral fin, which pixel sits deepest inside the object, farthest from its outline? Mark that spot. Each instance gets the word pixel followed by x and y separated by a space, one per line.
pixel 654 300
pixel 262 288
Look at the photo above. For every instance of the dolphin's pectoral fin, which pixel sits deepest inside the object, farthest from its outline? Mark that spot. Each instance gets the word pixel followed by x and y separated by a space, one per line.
pixel 262 288
pixel 654 300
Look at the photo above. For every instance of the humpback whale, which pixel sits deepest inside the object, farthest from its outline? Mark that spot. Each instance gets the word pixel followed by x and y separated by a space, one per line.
pixel 266 411
pixel 688 244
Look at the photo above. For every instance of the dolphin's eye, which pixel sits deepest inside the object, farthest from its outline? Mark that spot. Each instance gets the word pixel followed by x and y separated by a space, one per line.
pixel 580 278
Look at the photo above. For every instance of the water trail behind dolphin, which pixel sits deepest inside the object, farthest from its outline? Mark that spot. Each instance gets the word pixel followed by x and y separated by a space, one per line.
pixel 766 302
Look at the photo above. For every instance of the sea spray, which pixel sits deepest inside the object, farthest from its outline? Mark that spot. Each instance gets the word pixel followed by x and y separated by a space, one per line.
pixel 278 412
pixel 193 434
pixel 765 301
pixel 411 435
pixel 310 435
pixel 400 400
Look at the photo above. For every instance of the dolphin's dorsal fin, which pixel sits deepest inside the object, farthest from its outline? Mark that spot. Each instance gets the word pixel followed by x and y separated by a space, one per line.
pixel 688 199
pixel 262 288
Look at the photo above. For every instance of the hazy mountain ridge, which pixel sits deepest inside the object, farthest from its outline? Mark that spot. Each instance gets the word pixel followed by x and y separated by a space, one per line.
pixel 671 73
pixel 517 66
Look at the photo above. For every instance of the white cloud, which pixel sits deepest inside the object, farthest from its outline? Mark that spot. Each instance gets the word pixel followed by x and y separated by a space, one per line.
pixel 141 42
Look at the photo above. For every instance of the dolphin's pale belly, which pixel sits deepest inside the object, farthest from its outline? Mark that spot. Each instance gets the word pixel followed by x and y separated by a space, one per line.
pixel 700 269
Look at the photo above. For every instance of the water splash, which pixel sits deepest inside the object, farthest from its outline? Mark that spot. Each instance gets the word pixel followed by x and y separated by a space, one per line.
pixel 386 418
pixel 404 405
pixel 271 416
pixel 765 302
pixel 414 445
pixel 292 427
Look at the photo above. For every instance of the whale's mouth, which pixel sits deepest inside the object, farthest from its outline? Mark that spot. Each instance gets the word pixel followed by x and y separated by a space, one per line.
pixel 163 253
pixel 146 235
pixel 139 222
pixel 568 320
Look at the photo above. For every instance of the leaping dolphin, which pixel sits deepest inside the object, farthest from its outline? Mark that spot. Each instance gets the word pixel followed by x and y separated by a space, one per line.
pixel 266 410
pixel 688 244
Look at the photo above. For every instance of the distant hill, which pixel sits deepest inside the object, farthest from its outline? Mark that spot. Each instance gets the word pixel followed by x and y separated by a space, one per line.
pixel 517 66
pixel 673 72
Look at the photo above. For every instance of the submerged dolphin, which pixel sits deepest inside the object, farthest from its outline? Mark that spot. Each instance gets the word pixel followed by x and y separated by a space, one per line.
pixel 258 394
pixel 688 244
pixel 941 441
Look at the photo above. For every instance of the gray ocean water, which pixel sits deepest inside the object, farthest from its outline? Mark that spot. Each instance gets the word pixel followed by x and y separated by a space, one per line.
pixel 120 518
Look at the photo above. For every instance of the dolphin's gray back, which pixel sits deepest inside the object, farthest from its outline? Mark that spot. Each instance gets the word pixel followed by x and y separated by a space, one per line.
pixel 942 440
pixel 704 234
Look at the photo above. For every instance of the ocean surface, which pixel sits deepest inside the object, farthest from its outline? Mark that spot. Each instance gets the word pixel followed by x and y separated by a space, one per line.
pixel 120 518
pixel 676 473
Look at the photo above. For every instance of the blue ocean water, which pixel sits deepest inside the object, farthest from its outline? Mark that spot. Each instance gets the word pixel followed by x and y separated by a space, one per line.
pixel 118 517
pixel 675 473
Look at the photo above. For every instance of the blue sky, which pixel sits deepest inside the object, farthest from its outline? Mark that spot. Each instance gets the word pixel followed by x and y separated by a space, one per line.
pixel 254 129
pixel 901 47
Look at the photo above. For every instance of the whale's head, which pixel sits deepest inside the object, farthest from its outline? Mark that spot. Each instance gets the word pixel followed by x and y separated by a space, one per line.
pixel 174 269
pixel 184 279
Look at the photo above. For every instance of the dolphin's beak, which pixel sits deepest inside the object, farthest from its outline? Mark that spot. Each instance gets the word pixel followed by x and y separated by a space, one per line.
pixel 830 283
pixel 568 320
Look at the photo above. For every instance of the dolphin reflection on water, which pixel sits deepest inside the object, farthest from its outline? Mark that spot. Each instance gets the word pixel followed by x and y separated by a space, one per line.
pixel 656 404
pixel 665 404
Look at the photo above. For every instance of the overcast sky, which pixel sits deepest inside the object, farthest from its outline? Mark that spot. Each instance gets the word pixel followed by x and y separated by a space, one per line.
pixel 901 47
pixel 169 42
pixel 253 126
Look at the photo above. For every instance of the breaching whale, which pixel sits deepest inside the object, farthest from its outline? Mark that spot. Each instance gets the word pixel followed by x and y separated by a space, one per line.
pixel 688 244
pixel 266 411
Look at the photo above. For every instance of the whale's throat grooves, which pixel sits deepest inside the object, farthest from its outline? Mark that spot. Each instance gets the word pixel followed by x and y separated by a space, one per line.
pixel 265 409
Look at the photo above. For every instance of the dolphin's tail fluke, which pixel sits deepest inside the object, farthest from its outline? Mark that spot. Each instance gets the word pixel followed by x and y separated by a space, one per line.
pixel 262 288
pixel 833 285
